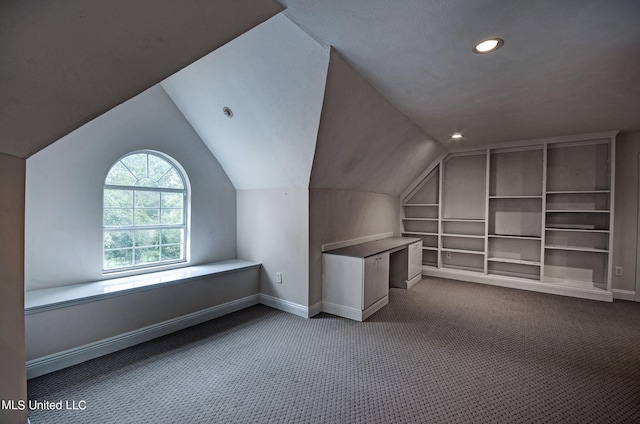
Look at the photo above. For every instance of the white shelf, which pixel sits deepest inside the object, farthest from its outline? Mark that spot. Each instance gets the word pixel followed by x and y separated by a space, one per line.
pixel 576 248
pixel 578 230
pixel 515 237
pixel 419 233
pixel 462 236
pixel 462 220
pixel 575 228
pixel 578 211
pixel 464 268
pixel 420 204
pixel 580 192
pixel 566 282
pixel 470 252
pixel 514 261
pixel 429 248
pixel 515 197
pixel 419 219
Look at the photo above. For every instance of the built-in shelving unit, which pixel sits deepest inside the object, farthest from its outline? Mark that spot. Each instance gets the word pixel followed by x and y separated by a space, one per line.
pixel 537 216
pixel 421 216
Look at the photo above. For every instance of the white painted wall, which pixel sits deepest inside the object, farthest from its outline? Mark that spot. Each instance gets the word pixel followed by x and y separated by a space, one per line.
pixel 273 229
pixel 625 234
pixel 63 242
pixel 273 78
pixel 364 142
pixel 338 215
pixel 13 378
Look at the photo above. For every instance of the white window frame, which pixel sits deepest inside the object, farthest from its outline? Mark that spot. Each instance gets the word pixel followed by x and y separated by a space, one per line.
pixel 186 191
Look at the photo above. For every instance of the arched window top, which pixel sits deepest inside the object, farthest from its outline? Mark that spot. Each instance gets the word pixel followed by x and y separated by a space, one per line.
pixel 145 169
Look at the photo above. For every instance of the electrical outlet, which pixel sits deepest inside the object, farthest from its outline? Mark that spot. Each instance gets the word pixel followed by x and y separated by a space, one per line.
pixel 448 254
pixel 619 271
pixel 279 277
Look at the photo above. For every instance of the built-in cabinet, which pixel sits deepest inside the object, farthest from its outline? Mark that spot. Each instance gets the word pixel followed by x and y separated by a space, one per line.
pixel 356 277
pixel 537 216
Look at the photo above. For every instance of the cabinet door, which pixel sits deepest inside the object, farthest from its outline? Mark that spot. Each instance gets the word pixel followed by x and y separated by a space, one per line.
pixel 376 279
pixel 415 259
pixel 382 276
pixel 369 288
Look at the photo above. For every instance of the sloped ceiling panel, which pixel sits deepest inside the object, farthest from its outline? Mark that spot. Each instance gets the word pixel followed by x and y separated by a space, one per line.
pixel 273 79
pixel 566 67
pixel 364 143
pixel 65 62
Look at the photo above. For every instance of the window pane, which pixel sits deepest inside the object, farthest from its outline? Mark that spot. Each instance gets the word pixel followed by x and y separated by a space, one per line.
pixel 147 199
pixel 146 182
pixel 173 235
pixel 171 216
pixel 147 216
pixel 157 167
pixel 172 200
pixel 147 237
pixel 171 252
pixel 147 255
pixel 117 217
pixel 117 239
pixel 171 180
pixel 119 175
pixel 118 258
pixel 137 164
pixel 118 198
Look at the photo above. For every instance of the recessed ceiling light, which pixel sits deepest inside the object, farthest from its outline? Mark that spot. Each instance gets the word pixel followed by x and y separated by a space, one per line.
pixel 227 112
pixel 487 46
pixel 456 136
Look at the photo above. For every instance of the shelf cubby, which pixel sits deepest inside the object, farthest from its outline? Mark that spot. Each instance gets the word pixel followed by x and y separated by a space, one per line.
pixel 461 260
pixel 463 227
pixel 425 225
pixel 597 240
pixel 516 173
pixel 583 201
pixel 430 258
pixel 587 220
pixel 429 240
pixel 518 251
pixel 513 269
pixel 463 243
pixel 576 268
pixel 420 211
pixel 517 217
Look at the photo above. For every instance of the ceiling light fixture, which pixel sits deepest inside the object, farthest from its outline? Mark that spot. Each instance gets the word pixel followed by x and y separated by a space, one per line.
pixel 456 136
pixel 488 46
pixel 227 112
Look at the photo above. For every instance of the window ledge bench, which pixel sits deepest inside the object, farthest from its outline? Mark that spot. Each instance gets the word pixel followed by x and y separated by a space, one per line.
pixel 68 325
pixel 60 297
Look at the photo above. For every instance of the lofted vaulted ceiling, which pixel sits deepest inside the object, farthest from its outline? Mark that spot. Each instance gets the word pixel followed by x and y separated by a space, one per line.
pixel 566 67
pixel 62 63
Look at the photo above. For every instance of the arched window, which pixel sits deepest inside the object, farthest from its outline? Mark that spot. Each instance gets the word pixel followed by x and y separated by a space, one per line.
pixel 144 212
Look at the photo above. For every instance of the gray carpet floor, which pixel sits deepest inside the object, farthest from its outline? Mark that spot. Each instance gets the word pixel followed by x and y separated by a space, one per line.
pixel 443 352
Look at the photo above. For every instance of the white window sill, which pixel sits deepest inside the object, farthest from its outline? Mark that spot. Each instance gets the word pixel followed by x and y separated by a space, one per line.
pixel 60 297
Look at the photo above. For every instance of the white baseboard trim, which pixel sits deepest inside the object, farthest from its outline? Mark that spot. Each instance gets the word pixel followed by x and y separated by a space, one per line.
pixel 315 309
pixel 624 294
pixel 519 283
pixel 354 313
pixel 57 361
pixel 286 306
pixel 342 311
